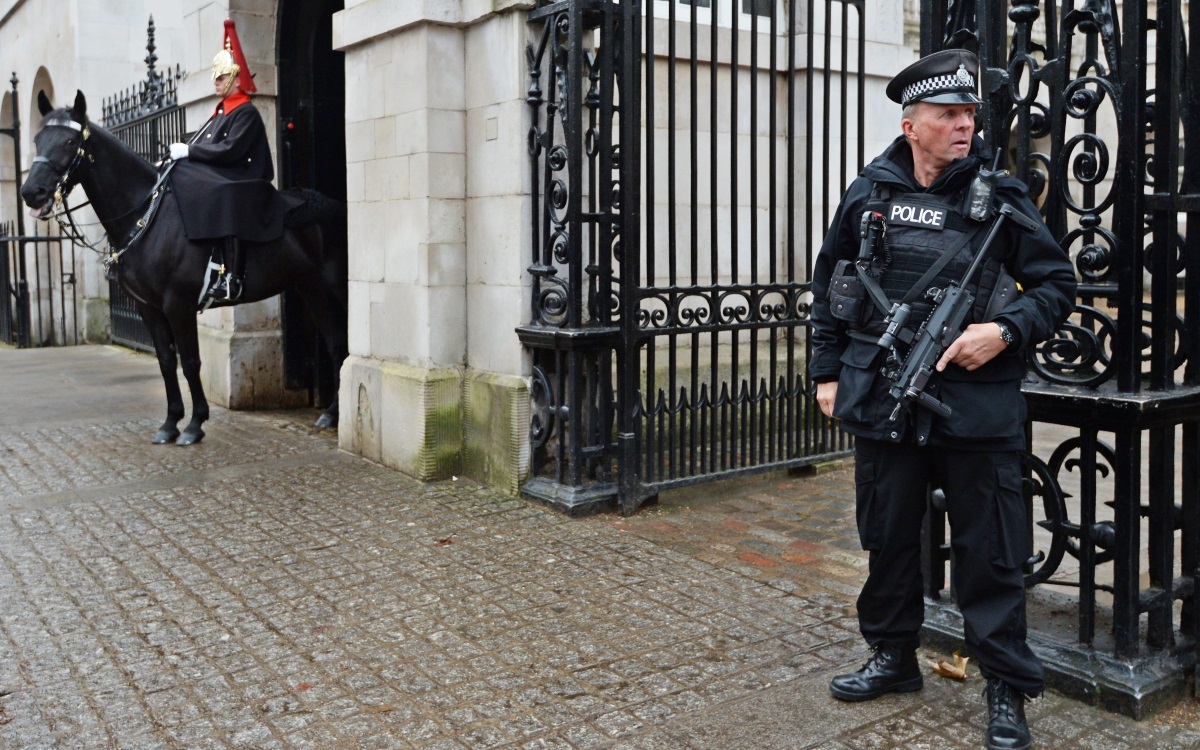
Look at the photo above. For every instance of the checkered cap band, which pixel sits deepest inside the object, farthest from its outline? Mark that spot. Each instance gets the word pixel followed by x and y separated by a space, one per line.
pixel 961 81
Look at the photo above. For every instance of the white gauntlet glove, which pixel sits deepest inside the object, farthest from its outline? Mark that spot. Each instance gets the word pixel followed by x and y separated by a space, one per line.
pixel 179 151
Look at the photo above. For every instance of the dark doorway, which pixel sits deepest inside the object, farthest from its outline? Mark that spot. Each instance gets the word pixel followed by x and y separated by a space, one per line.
pixel 312 154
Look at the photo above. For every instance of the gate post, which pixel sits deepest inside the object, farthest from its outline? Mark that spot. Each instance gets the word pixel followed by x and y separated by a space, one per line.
pixel 580 195
pixel 24 323
pixel 1093 125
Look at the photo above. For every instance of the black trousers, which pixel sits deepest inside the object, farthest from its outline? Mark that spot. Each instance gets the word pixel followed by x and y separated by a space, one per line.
pixel 989 538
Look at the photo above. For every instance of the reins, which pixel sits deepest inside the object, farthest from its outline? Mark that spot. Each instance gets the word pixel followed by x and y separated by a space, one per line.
pixel 112 255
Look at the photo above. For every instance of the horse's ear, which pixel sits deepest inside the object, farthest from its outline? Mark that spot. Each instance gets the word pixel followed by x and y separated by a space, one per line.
pixel 79 111
pixel 44 105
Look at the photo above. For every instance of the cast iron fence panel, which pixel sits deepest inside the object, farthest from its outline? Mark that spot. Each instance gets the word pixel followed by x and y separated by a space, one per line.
pixel 42 301
pixel 147 117
pixel 10 304
pixel 670 301
pixel 1093 101
pixel 35 310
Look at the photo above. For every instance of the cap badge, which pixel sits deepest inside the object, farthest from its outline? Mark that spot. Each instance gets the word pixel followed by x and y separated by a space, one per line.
pixel 963 76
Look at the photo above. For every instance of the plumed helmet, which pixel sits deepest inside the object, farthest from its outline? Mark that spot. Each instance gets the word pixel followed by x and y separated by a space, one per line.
pixel 230 60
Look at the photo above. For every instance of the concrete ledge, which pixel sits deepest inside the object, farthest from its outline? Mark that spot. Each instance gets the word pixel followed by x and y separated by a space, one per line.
pixel 1138 688
pixel 496 430
pixel 406 418
pixel 244 370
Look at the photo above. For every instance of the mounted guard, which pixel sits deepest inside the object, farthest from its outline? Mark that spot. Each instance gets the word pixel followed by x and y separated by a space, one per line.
pixel 222 178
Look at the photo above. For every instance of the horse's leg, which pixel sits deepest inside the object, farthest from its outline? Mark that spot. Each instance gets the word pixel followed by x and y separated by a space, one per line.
pixel 164 349
pixel 187 341
pixel 329 314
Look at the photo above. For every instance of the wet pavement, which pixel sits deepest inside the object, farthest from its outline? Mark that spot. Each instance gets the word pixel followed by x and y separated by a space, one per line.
pixel 264 590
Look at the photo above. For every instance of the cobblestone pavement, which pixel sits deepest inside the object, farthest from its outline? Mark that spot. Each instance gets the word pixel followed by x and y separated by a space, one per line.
pixel 264 590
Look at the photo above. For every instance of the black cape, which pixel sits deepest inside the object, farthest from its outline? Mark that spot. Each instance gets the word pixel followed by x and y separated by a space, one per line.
pixel 224 186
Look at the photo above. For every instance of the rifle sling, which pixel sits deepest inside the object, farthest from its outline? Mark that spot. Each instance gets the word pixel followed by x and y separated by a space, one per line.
pixel 879 297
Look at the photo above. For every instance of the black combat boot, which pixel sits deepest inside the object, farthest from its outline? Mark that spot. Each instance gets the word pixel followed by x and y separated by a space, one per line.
pixel 890 669
pixel 1007 728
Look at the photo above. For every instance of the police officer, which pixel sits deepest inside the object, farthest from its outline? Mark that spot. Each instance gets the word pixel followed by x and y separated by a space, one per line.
pixel 938 196
pixel 222 178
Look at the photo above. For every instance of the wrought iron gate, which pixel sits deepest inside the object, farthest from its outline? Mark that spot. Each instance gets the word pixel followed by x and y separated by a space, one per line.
pixel 148 118
pixel 1094 100
pixel 669 313
pixel 39 289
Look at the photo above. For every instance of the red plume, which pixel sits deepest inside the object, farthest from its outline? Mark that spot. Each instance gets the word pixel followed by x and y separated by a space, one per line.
pixel 245 80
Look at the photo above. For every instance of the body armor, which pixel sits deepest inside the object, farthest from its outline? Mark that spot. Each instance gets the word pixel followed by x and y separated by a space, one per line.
pixel 921 229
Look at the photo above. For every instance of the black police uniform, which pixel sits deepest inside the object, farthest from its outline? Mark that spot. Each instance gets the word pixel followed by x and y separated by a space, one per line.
pixel 224 186
pixel 974 455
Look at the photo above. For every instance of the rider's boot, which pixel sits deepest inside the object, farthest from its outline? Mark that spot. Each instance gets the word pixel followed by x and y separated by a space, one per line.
pixel 228 287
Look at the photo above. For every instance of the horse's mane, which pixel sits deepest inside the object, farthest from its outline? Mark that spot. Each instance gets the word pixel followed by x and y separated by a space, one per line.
pixel 111 142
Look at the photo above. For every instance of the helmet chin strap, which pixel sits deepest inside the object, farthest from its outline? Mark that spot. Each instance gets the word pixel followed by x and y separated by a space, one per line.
pixel 229 84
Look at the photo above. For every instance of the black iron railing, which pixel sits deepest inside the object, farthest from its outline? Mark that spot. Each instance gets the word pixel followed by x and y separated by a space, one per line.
pixel 1093 101
pixel 148 118
pixel 668 320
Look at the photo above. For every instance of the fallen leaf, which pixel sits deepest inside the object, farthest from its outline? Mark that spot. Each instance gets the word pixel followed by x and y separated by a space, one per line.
pixel 955 671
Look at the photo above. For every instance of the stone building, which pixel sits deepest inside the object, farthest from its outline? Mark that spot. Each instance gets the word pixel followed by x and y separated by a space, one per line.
pixel 414 111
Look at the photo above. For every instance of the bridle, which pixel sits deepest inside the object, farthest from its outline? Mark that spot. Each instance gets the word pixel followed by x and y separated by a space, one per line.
pixel 62 190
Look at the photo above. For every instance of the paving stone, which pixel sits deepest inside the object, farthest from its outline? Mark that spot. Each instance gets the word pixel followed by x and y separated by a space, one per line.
pixel 264 590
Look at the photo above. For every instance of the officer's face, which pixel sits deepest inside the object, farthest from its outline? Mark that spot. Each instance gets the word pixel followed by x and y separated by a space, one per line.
pixel 940 133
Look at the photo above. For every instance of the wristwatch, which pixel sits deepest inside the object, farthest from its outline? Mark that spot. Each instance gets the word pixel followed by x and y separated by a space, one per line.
pixel 1006 335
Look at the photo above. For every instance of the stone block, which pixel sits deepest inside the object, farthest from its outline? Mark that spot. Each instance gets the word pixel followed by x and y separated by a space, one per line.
pixel 495 64
pixel 385 137
pixel 445 68
pixel 360 405
pixel 442 265
pixel 355 182
pixel 446 131
pixel 438 175
pixel 244 370
pixel 447 221
pixel 497 156
pixel 493 314
pixel 358 325
pixel 421 420
pixel 496 448
pixel 447 332
pixel 360 140
pixel 500 239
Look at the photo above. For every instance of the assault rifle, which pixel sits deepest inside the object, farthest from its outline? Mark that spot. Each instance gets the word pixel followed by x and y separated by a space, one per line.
pixel 951 307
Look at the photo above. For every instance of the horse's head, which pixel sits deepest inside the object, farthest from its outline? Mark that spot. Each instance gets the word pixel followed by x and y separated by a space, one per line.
pixel 62 157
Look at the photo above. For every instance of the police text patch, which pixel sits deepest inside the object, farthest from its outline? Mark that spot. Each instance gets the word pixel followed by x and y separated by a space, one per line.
pixel 917 215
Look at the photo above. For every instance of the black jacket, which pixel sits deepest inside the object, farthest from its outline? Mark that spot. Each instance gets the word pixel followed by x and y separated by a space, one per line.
pixel 224 186
pixel 988 409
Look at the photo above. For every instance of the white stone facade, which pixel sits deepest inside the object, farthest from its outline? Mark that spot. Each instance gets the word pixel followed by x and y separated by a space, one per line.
pixel 438 195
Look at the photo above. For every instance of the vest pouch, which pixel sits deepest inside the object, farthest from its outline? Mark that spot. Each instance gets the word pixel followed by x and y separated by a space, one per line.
pixel 997 290
pixel 847 294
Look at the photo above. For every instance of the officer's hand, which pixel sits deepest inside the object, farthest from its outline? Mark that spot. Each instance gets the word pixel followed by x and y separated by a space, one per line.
pixel 826 394
pixel 977 346
pixel 179 151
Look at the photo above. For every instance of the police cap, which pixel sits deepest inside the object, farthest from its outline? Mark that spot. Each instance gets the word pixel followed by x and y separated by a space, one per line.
pixel 946 77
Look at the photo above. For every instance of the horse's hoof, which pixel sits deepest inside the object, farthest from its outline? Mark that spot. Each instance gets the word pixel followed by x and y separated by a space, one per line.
pixel 326 421
pixel 190 438
pixel 162 437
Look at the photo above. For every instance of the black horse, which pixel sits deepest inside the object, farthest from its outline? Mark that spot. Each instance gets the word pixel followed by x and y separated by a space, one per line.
pixel 163 271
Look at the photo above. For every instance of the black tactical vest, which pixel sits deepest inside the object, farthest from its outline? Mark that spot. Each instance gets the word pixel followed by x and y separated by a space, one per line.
pixel 921 228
